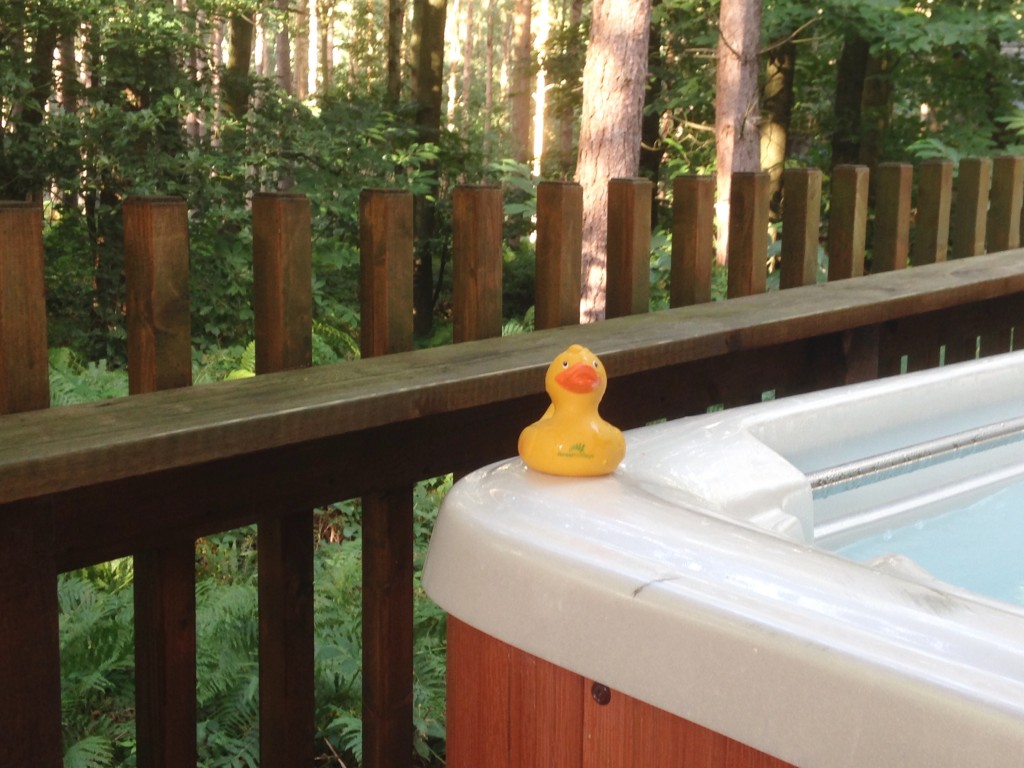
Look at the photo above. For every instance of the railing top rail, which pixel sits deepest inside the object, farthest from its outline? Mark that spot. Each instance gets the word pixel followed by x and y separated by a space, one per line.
pixel 58 450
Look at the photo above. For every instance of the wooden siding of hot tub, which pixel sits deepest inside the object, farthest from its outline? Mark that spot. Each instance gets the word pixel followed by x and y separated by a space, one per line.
pixel 509 709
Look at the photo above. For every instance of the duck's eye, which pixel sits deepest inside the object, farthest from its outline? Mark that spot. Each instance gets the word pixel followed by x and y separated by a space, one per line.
pixel 597 364
pixel 565 363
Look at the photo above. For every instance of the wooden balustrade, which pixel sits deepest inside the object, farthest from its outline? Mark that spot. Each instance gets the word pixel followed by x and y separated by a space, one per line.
pixel 148 474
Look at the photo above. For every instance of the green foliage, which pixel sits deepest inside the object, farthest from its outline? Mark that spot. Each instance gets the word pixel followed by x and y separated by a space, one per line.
pixel 72 381
pixel 98 661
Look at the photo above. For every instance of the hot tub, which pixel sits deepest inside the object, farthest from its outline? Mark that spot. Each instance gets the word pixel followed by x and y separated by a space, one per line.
pixel 703 589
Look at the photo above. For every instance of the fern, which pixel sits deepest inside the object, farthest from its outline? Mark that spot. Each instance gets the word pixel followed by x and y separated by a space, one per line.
pixel 73 382
pixel 90 752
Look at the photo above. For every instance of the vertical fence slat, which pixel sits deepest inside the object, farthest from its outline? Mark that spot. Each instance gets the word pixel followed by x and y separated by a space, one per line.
pixel 934 200
pixel 24 370
pixel 476 261
pixel 693 244
pixel 559 254
pixel 802 217
pixel 1006 199
pixel 30 712
pixel 848 218
pixel 160 357
pixel 156 279
pixel 629 247
pixel 970 211
pixel 386 301
pixel 282 282
pixel 748 233
pixel 1003 232
pixel 283 306
pixel 893 187
pixel 386 267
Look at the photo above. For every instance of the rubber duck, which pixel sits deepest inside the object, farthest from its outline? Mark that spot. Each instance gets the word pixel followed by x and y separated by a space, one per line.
pixel 571 438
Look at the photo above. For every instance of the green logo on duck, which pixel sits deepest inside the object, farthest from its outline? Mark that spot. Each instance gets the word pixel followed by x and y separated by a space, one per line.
pixel 576 451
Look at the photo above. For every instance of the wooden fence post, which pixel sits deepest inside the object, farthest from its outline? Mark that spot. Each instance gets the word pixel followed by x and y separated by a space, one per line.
pixel 847 221
pixel 693 244
pixel 1004 212
pixel 30 711
pixel 934 200
pixel 801 190
pixel 748 233
pixel 156 279
pixel 160 357
pixel 629 247
pixel 893 187
pixel 386 301
pixel 971 209
pixel 283 307
pixel 559 254
pixel 477 217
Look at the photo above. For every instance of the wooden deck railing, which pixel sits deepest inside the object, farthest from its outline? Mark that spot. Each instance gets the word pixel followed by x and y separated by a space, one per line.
pixel 148 474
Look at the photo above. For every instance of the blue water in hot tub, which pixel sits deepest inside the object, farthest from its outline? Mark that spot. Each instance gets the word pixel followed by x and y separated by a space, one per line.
pixel 979 547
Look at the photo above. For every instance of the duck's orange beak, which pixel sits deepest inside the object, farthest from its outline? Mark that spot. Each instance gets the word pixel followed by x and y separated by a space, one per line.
pixel 579 378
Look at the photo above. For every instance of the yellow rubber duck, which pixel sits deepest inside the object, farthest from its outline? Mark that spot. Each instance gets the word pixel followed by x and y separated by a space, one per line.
pixel 571 438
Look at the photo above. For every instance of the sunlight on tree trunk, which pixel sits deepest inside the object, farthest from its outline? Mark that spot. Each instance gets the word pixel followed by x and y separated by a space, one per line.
pixel 300 87
pixel 543 26
pixel 283 51
pixel 396 19
pixel 426 62
pixel 236 77
pixel 614 79
pixel 736 103
pixel 777 104
pixel 520 87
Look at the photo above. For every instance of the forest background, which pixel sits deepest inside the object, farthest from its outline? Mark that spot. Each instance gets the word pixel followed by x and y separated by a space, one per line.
pixel 214 100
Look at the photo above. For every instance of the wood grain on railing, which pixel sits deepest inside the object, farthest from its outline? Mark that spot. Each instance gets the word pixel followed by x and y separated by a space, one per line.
pixel 893 187
pixel 629 247
pixel 386 306
pixel 801 233
pixel 283 308
pixel 847 224
pixel 970 209
pixel 934 201
pixel 30 712
pixel 693 240
pixel 164 579
pixel 559 254
pixel 748 233
pixel 476 262
pixel 1006 199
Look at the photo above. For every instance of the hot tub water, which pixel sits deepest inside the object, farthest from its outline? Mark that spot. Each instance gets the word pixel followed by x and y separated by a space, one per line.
pixel 979 548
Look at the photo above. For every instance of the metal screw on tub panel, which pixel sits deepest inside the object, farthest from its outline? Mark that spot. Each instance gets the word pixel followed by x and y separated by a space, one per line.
pixel 602 693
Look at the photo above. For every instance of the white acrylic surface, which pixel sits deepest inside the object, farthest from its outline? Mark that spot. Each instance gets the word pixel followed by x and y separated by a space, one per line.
pixel 697 577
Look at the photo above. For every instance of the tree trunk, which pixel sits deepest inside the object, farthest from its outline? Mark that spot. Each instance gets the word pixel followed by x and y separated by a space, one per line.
pixel 651 148
pixel 564 120
pixel 850 72
pixel 300 86
pixel 777 110
pixel 737 134
pixel 237 87
pixel 283 50
pixel 396 20
pixel 467 68
pixel 520 87
pixel 876 110
pixel 614 80
pixel 427 67
pixel 325 25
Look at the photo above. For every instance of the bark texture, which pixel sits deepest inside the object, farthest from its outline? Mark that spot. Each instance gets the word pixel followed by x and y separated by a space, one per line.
pixel 736 103
pixel 614 80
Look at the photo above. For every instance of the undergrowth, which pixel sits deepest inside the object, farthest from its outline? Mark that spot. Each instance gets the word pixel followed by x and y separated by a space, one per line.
pixel 96 626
